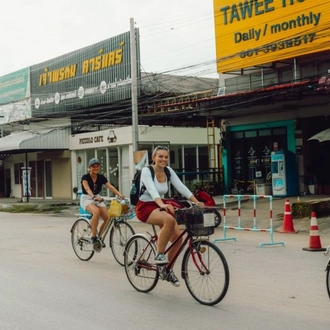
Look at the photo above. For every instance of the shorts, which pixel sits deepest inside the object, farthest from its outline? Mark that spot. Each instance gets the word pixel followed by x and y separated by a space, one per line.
pixel 85 200
pixel 144 209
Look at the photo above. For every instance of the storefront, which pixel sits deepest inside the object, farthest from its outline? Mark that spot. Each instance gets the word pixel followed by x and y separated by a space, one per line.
pixel 37 163
pixel 248 160
pixel 114 149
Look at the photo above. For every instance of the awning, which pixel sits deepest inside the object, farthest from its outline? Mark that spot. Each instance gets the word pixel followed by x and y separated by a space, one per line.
pixel 28 141
pixel 321 136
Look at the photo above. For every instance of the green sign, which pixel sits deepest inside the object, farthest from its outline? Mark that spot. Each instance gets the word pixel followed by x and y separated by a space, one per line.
pixel 14 86
pixel 92 76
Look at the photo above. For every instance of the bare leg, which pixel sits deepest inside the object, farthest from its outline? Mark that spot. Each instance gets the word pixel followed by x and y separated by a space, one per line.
pixel 104 216
pixel 169 231
pixel 176 246
pixel 92 208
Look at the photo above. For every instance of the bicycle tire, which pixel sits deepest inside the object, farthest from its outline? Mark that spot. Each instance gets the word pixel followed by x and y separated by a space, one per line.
pixel 80 239
pixel 139 255
pixel 217 218
pixel 120 233
pixel 327 278
pixel 211 286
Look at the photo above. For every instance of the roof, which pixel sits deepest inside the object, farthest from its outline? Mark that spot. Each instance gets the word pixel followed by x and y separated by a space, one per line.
pixel 53 138
pixel 153 83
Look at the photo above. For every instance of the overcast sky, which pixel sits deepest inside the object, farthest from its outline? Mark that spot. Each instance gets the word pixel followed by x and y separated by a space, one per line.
pixel 174 34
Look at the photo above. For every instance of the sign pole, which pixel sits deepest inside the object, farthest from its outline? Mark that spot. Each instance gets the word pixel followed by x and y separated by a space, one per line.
pixel 135 125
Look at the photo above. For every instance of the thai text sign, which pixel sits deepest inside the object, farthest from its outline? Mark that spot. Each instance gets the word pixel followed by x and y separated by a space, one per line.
pixel 15 86
pixel 254 32
pixel 95 75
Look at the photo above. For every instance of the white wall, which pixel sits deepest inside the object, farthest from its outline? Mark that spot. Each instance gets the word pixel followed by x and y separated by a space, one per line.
pixel 173 135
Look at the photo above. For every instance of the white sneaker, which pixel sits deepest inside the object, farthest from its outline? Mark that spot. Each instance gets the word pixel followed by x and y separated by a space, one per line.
pixel 160 259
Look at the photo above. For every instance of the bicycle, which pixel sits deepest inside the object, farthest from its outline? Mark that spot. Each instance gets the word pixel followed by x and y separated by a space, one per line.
pixel 327 269
pixel 204 267
pixel 120 232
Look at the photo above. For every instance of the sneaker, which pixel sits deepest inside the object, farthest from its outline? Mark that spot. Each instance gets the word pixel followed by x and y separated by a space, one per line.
pixel 173 279
pixel 97 245
pixel 160 259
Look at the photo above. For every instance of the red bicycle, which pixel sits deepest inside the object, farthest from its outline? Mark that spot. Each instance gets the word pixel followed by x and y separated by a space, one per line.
pixel 204 267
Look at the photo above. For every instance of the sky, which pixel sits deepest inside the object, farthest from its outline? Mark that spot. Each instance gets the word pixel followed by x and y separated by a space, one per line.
pixel 176 36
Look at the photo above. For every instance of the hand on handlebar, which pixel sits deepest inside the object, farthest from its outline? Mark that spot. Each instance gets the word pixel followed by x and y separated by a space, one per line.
pixel 168 208
pixel 98 199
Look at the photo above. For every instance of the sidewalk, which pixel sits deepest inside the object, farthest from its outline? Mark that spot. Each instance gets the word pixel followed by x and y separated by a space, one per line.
pixel 70 208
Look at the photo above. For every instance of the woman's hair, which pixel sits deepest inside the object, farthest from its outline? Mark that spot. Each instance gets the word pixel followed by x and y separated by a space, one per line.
pixel 159 148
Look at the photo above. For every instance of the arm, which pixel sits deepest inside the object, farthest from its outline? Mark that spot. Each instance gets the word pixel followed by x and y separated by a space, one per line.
pixel 87 188
pixel 182 189
pixel 114 190
pixel 149 183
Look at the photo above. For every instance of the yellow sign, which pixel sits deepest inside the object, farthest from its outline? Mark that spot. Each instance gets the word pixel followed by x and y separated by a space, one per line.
pixel 254 32
pixel 90 65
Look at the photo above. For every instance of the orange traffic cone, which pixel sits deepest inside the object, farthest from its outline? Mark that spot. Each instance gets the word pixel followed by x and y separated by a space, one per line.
pixel 287 220
pixel 314 236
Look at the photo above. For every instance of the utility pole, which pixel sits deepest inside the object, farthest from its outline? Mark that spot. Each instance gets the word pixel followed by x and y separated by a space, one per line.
pixel 2 127
pixel 135 124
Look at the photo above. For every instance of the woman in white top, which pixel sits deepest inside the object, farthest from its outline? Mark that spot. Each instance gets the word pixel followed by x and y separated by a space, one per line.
pixel 151 208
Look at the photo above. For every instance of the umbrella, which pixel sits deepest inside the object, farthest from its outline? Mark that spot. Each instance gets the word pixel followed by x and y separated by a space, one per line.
pixel 321 136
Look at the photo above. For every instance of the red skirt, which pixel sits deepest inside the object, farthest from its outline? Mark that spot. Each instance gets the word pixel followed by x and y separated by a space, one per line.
pixel 144 209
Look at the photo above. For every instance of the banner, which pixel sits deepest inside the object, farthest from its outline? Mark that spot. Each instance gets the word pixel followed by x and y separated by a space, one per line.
pixel 254 32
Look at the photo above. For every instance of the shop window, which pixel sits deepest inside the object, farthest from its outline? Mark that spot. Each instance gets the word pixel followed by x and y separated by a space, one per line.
pixel 250 134
pixel 265 132
pixel 17 172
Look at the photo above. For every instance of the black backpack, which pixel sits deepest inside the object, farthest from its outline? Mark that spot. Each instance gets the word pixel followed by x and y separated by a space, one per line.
pixel 136 192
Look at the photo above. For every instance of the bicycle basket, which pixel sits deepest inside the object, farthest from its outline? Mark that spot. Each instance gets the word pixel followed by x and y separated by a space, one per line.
pixel 197 221
pixel 115 209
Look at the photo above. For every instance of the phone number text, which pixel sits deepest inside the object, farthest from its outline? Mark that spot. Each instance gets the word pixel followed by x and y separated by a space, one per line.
pixel 293 42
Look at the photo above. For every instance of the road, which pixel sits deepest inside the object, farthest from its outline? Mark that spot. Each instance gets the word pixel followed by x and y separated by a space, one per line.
pixel 44 286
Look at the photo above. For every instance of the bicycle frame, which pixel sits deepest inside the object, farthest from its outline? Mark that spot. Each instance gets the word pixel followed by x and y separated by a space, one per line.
pixel 107 226
pixel 187 239
pixel 109 223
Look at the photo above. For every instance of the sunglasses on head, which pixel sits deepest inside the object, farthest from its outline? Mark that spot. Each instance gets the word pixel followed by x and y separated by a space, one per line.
pixel 159 148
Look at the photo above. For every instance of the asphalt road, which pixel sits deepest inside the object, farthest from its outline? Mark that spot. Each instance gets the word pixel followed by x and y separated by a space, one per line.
pixel 44 286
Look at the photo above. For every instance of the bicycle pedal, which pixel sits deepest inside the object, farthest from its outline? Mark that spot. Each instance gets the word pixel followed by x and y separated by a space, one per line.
pixel 163 273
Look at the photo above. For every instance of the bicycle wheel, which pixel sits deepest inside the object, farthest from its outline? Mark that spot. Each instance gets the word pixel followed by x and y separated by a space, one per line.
pixel 328 278
pixel 120 233
pixel 80 239
pixel 206 273
pixel 217 218
pixel 139 255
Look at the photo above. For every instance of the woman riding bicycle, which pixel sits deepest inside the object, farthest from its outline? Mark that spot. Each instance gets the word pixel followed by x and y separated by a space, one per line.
pixel 92 202
pixel 150 207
